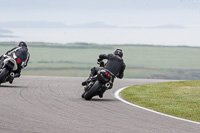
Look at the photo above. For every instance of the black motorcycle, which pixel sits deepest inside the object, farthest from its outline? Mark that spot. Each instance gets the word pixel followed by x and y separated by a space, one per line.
pixel 99 83
pixel 10 64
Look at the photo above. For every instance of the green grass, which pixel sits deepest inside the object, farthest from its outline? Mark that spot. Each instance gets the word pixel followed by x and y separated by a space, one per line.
pixel 181 99
pixel 141 61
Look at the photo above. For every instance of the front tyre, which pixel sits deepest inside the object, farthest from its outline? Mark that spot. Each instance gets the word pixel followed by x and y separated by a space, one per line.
pixel 3 74
pixel 93 91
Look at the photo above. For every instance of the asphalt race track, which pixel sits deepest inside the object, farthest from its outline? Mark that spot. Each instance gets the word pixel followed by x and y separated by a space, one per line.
pixel 54 105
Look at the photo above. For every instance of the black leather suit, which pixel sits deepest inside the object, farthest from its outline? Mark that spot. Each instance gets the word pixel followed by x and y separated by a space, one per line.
pixel 21 53
pixel 115 64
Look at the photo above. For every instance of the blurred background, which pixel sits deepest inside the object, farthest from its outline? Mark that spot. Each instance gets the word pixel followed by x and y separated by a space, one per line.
pixel 160 38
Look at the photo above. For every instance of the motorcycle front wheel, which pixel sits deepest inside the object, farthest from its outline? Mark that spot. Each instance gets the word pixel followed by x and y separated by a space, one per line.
pixel 93 91
pixel 3 74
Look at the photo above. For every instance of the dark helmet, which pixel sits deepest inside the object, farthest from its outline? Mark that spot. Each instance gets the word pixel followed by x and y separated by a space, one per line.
pixel 22 44
pixel 118 52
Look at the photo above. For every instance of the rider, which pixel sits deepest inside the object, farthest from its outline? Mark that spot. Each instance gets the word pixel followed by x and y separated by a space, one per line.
pixel 22 54
pixel 115 64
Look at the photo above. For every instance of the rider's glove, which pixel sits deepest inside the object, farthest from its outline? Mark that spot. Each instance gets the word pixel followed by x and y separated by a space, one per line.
pixel 99 60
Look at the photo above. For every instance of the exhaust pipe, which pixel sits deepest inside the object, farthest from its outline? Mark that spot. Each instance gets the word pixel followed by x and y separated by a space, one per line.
pixel 12 74
pixel 107 85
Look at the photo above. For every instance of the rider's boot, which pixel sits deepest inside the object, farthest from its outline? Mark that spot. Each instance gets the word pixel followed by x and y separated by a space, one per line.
pixel 101 93
pixel 11 78
pixel 17 75
pixel 86 81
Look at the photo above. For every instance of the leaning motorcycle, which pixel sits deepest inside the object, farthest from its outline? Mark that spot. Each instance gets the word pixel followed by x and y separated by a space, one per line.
pixel 10 64
pixel 99 83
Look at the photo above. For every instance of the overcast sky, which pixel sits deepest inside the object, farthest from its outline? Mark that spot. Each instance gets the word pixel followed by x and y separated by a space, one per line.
pixel 117 12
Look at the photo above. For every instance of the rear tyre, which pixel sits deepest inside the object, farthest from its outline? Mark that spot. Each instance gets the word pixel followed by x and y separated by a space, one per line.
pixel 83 95
pixel 93 91
pixel 3 74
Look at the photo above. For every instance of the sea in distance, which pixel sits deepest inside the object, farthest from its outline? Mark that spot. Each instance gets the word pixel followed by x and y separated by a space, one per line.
pixel 163 37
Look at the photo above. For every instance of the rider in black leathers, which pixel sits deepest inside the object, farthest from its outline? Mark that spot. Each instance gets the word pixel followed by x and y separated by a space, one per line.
pixel 22 53
pixel 115 64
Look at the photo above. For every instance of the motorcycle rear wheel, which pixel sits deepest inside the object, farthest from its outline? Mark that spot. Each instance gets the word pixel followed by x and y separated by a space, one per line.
pixel 93 91
pixel 3 74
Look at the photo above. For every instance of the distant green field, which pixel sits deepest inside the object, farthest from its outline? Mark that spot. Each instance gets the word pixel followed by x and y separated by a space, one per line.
pixel 142 61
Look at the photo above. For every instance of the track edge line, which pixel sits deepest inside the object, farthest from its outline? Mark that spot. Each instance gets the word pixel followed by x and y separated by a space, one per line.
pixel 129 103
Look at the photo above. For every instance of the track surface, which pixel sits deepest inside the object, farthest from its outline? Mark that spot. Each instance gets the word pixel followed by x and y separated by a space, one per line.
pixel 54 105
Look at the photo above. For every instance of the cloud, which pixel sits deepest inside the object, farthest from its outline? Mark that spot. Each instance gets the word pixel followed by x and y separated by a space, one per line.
pixel 5 31
pixel 118 12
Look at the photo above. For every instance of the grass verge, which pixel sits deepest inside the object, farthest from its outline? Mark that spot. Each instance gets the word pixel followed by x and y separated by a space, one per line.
pixel 181 99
